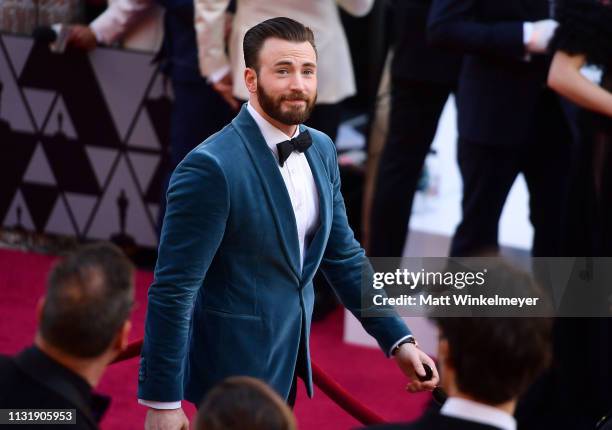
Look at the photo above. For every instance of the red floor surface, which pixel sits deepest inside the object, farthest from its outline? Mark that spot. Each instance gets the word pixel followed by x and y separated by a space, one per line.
pixel 364 372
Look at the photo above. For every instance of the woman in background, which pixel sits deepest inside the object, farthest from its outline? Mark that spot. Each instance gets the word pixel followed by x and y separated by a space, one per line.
pixel 584 37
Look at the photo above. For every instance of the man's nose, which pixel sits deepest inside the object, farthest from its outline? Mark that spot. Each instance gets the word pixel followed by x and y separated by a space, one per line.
pixel 297 82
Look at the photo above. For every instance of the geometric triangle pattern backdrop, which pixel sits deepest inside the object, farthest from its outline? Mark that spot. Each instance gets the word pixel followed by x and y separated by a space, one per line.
pixel 83 141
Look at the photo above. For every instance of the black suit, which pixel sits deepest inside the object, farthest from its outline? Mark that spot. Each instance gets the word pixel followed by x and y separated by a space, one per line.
pixel 435 421
pixel 422 78
pixel 509 122
pixel 32 380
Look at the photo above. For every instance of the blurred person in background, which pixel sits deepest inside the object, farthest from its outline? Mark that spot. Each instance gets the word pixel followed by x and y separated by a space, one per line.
pixel 483 392
pixel 24 16
pixel 488 361
pixel 584 37
pixel 335 68
pixel 422 78
pixel 509 122
pixel 242 402
pixel 83 324
pixel 198 111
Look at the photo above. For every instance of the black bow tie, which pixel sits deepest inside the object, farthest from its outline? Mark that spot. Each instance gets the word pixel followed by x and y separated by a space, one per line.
pixel 300 144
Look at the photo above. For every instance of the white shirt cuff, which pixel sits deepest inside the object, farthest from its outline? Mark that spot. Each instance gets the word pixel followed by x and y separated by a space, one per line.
pixel 96 33
pixel 160 405
pixel 527 32
pixel 390 354
pixel 217 75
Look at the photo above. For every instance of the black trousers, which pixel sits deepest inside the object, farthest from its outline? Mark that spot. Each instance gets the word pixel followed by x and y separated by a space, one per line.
pixel 488 171
pixel 416 107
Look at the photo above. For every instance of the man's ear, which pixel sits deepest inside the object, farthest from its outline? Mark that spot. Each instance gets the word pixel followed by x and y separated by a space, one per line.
pixel 250 80
pixel 123 336
pixel 40 306
pixel 443 353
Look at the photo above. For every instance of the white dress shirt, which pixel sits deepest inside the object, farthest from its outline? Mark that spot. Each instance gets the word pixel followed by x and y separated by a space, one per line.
pixel 302 192
pixel 478 412
pixel 298 179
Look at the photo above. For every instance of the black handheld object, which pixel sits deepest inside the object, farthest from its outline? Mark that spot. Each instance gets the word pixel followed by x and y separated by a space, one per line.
pixel 428 373
pixel 438 393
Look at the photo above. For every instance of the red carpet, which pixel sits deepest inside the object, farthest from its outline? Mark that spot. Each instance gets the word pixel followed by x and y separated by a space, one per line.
pixel 365 372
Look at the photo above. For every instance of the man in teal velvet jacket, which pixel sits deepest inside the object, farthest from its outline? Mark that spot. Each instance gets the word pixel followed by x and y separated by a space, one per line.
pixel 252 213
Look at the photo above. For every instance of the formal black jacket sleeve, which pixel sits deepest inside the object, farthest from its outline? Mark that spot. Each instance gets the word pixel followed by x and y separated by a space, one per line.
pixel 455 24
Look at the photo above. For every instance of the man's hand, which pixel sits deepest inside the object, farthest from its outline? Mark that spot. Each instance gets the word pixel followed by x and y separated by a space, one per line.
pixel 82 37
pixel 541 34
pixel 410 359
pixel 166 419
pixel 225 88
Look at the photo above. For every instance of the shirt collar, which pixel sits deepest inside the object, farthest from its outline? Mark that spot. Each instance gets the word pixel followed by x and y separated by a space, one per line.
pixel 478 412
pixel 270 133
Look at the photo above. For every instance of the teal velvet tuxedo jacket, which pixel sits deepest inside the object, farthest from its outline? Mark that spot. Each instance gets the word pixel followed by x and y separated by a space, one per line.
pixel 228 296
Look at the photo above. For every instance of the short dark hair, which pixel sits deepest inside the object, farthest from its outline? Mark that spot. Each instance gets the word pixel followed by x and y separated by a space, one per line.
pixel 242 402
pixel 89 297
pixel 496 358
pixel 279 28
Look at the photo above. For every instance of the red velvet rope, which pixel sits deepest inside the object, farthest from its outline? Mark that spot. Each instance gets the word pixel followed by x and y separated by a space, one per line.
pixel 329 386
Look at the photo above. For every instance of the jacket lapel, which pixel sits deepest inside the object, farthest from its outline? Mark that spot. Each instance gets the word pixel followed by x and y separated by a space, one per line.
pixel 314 254
pixel 273 185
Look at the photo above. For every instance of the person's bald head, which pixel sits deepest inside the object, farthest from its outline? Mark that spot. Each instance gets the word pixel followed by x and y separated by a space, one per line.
pixel 89 298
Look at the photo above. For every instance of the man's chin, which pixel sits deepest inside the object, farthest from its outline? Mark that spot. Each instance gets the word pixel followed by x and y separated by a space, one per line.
pixel 294 111
pixel 295 104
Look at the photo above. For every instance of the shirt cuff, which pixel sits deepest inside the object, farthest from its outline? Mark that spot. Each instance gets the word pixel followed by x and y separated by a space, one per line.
pixel 527 32
pixel 397 343
pixel 160 405
pixel 102 28
pixel 217 75
pixel 94 29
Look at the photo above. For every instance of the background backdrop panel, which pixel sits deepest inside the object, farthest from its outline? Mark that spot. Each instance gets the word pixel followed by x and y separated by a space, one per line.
pixel 83 139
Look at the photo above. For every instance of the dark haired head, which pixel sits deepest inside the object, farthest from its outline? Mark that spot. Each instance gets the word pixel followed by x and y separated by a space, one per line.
pixel 279 28
pixel 89 297
pixel 495 358
pixel 243 402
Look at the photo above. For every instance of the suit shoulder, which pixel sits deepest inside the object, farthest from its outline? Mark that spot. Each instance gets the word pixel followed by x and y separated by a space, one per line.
pixel 221 146
pixel 324 144
pixel 215 152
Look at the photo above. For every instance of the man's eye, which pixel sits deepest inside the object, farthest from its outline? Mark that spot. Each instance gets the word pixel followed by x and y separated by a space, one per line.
pixel 309 72
pixel 282 71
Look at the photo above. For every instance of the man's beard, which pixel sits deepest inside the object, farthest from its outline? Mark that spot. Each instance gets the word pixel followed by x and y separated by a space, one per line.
pixel 292 116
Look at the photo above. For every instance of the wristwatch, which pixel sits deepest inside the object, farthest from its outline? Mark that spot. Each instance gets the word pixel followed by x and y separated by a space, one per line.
pixel 411 340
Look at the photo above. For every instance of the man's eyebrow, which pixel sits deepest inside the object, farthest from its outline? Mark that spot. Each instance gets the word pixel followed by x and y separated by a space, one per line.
pixel 291 63
pixel 283 63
